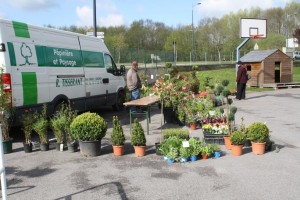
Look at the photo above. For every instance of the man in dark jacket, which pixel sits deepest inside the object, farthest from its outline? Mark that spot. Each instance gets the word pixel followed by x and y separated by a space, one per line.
pixel 241 80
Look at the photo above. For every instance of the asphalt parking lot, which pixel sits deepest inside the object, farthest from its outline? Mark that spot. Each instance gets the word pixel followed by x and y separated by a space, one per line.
pixel 274 175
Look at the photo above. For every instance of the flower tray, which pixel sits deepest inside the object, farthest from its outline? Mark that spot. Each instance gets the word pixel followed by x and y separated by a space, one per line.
pixel 213 138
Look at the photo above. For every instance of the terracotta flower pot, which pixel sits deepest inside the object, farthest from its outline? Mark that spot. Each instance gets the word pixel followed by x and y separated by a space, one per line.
pixel 227 142
pixel 236 150
pixel 204 156
pixel 258 148
pixel 140 151
pixel 193 126
pixel 118 150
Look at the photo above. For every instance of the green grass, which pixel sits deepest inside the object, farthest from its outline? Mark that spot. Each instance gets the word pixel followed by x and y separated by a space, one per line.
pixel 296 74
pixel 218 75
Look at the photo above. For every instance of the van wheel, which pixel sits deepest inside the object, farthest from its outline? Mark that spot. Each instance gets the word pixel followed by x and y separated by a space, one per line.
pixel 119 106
pixel 58 107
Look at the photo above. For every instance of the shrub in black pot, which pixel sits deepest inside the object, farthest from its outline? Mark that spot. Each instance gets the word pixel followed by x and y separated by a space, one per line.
pixel 89 128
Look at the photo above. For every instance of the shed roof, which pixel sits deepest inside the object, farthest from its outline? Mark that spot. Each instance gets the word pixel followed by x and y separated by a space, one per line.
pixel 257 55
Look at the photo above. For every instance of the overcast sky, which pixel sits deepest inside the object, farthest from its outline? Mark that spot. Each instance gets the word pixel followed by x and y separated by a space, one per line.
pixel 124 12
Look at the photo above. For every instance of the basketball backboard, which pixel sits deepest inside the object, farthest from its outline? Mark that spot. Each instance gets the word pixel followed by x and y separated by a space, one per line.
pixel 253 28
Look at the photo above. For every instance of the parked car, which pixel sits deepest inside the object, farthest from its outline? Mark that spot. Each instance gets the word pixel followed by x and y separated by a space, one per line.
pixel 296 55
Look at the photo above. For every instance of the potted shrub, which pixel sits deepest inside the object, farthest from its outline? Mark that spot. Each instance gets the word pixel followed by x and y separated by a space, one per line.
pixel 258 134
pixel 40 126
pixel 237 139
pixel 117 137
pixel 67 116
pixel 216 150
pixel 206 150
pixel 89 128
pixel 195 148
pixel 172 154
pixel 27 120
pixel 57 125
pixel 184 153
pixel 6 115
pixel 138 139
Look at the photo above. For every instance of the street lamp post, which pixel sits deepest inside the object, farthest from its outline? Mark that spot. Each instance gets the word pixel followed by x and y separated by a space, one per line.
pixel 94 18
pixel 193 33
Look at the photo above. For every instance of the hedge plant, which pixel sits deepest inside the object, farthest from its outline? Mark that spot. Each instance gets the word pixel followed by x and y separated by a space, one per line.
pixel 238 138
pixel 258 132
pixel 177 132
pixel 88 127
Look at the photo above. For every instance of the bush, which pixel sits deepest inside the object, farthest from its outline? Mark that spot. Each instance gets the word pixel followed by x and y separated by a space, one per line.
pixel 117 136
pixel 258 132
pixel 195 146
pixel 237 138
pixel 177 132
pixel 41 124
pixel 88 127
pixel 137 134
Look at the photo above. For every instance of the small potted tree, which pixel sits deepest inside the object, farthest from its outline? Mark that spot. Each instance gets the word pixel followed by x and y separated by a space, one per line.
pixel 258 134
pixel 117 137
pixel 237 138
pixel 67 116
pixel 56 123
pixel 89 128
pixel 27 121
pixel 40 126
pixel 138 139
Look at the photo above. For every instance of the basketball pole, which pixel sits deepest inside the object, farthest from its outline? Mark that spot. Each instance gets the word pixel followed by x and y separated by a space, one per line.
pixel 238 52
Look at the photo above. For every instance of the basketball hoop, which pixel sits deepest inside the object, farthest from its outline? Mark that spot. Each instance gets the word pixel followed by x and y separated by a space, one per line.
pixel 256 36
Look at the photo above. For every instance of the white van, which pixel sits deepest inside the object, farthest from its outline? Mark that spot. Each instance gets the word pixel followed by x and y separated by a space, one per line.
pixel 43 65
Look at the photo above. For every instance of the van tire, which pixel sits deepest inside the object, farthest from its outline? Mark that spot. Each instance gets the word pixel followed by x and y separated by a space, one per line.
pixel 58 107
pixel 119 105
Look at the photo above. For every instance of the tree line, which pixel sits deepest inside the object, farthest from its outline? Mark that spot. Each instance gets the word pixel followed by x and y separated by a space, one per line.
pixel 214 38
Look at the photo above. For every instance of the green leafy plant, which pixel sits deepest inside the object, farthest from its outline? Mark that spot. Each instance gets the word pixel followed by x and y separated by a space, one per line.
pixel 57 125
pixel 117 136
pixel 172 141
pixel 195 146
pixel 184 152
pixel 206 149
pixel 88 127
pixel 41 124
pixel 177 132
pixel 258 132
pixel 67 115
pixel 137 134
pixel 27 120
pixel 215 147
pixel 173 153
pixel 238 138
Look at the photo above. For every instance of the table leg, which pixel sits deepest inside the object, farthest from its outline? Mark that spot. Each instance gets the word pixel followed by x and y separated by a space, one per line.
pixel 130 120
pixel 148 117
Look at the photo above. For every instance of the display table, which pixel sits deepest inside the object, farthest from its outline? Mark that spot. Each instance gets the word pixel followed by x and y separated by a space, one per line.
pixel 145 103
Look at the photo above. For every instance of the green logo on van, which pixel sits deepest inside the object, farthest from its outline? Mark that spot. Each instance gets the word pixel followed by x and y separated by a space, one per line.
pixel 26 53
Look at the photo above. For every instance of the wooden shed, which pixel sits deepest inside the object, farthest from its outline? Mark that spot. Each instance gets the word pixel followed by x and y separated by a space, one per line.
pixel 268 67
